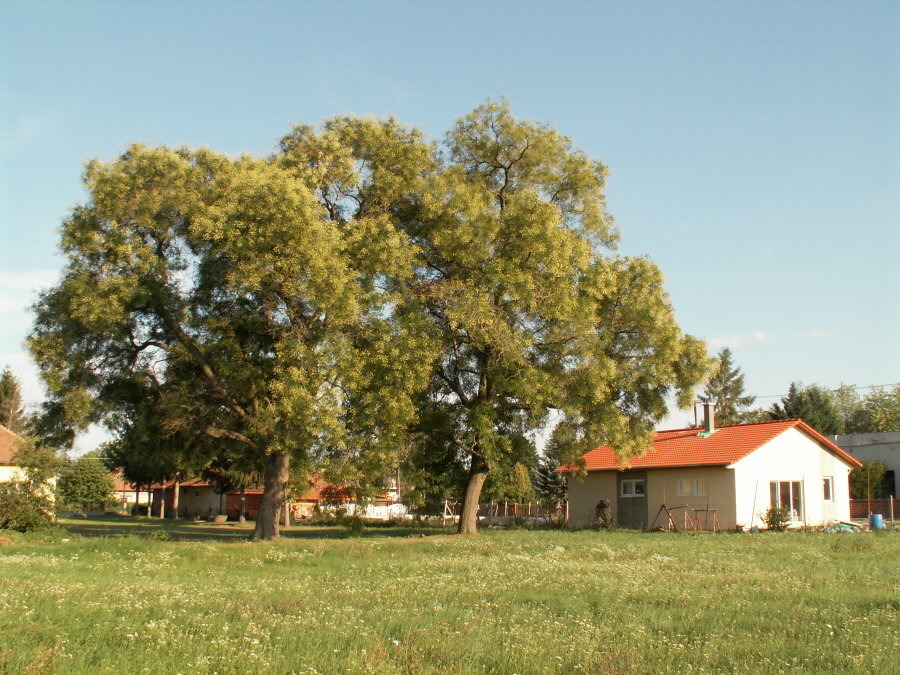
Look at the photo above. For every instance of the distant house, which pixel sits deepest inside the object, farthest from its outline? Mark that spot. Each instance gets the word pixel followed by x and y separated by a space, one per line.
pixel 725 477
pixel 9 446
pixel 199 498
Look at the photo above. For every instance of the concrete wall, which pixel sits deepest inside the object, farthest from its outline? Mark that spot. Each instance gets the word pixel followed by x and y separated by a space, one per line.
pixel 792 456
pixel 877 447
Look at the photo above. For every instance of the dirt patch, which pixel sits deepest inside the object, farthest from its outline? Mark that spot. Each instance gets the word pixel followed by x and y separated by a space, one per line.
pixel 6 541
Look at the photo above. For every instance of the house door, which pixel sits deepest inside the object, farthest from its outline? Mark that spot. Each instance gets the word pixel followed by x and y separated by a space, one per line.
pixel 632 499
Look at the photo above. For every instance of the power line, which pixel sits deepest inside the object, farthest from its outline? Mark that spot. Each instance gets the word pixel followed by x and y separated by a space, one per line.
pixel 871 386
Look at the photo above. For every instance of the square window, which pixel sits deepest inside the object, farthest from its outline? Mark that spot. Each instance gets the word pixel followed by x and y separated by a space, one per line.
pixel 632 488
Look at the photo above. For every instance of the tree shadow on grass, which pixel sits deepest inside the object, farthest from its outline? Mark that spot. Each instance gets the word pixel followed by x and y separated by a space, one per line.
pixel 183 530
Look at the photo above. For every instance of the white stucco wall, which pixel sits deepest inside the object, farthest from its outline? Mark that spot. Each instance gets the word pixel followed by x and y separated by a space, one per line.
pixel 791 456
pixel 10 473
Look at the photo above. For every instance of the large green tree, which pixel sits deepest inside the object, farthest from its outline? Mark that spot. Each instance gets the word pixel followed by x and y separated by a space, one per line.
pixel 12 412
pixel 533 311
pixel 85 483
pixel 247 301
pixel 725 388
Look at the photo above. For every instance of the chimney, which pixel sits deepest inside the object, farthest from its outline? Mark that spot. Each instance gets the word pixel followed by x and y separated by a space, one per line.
pixel 709 418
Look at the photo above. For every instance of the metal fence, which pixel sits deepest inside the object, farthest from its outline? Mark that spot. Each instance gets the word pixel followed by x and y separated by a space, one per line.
pixel 888 508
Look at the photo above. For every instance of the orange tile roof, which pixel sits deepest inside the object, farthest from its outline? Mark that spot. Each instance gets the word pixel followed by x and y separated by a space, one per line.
pixel 8 445
pixel 728 444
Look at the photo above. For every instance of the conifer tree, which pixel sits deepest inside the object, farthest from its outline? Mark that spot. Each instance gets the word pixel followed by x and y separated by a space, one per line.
pixel 12 414
pixel 725 388
pixel 813 405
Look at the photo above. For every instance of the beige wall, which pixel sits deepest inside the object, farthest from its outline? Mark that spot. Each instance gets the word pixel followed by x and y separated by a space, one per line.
pixel 584 493
pixel 792 456
pixel 662 488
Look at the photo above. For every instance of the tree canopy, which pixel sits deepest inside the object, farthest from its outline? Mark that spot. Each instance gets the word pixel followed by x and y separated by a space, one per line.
pixel 313 308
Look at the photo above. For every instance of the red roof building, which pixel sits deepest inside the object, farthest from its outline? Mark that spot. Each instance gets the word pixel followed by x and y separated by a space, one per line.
pixel 718 477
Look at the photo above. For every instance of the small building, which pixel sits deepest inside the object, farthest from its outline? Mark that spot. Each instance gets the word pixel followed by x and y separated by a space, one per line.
pixel 9 446
pixel 718 478
pixel 881 447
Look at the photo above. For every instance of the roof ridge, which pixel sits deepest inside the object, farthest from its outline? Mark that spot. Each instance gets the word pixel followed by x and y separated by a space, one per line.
pixel 728 426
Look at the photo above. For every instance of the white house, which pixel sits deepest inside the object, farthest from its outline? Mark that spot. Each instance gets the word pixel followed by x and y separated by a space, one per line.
pixel 723 477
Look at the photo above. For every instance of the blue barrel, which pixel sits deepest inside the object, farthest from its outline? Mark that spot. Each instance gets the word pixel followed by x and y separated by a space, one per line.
pixel 876 521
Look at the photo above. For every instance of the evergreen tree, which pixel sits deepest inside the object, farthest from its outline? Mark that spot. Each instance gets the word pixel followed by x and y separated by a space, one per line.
pixel 550 484
pixel 811 404
pixel 12 415
pixel 725 388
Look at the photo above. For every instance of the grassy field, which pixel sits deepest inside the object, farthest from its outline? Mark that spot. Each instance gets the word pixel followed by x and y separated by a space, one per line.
pixel 116 596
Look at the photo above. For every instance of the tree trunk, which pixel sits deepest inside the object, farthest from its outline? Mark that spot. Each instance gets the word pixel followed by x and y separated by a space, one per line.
pixel 175 498
pixel 468 519
pixel 242 514
pixel 274 491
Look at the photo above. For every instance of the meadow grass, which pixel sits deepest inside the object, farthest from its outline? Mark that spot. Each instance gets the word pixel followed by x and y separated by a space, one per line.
pixel 208 601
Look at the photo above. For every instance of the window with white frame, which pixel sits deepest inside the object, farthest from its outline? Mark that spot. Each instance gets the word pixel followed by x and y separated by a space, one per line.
pixel 828 488
pixel 632 488
pixel 787 493
pixel 693 487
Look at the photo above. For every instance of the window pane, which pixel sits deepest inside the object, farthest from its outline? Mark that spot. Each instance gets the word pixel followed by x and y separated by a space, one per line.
pixel 685 487
pixel 797 494
pixel 773 494
pixel 702 487
pixel 826 484
pixel 784 495
pixel 638 487
pixel 627 487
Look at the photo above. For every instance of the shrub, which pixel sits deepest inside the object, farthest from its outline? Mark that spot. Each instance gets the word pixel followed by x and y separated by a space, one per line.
pixel 24 509
pixel 28 503
pixel 777 518
pixel 355 525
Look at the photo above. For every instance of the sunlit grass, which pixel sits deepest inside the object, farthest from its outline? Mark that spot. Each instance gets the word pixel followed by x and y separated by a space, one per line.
pixel 507 602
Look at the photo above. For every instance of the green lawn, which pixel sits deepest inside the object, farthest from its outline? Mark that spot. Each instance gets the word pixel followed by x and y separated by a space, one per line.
pixel 503 602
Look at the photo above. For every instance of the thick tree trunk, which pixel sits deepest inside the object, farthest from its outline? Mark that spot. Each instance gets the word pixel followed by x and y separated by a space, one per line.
pixel 468 519
pixel 274 492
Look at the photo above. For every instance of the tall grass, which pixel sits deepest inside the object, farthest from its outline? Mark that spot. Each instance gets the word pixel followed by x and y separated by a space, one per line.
pixel 503 602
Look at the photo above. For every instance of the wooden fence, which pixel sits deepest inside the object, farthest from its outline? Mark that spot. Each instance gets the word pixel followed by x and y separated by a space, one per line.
pixel 509 510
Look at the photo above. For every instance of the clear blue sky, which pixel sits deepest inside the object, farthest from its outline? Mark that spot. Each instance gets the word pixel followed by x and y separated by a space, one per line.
pixel 754 147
